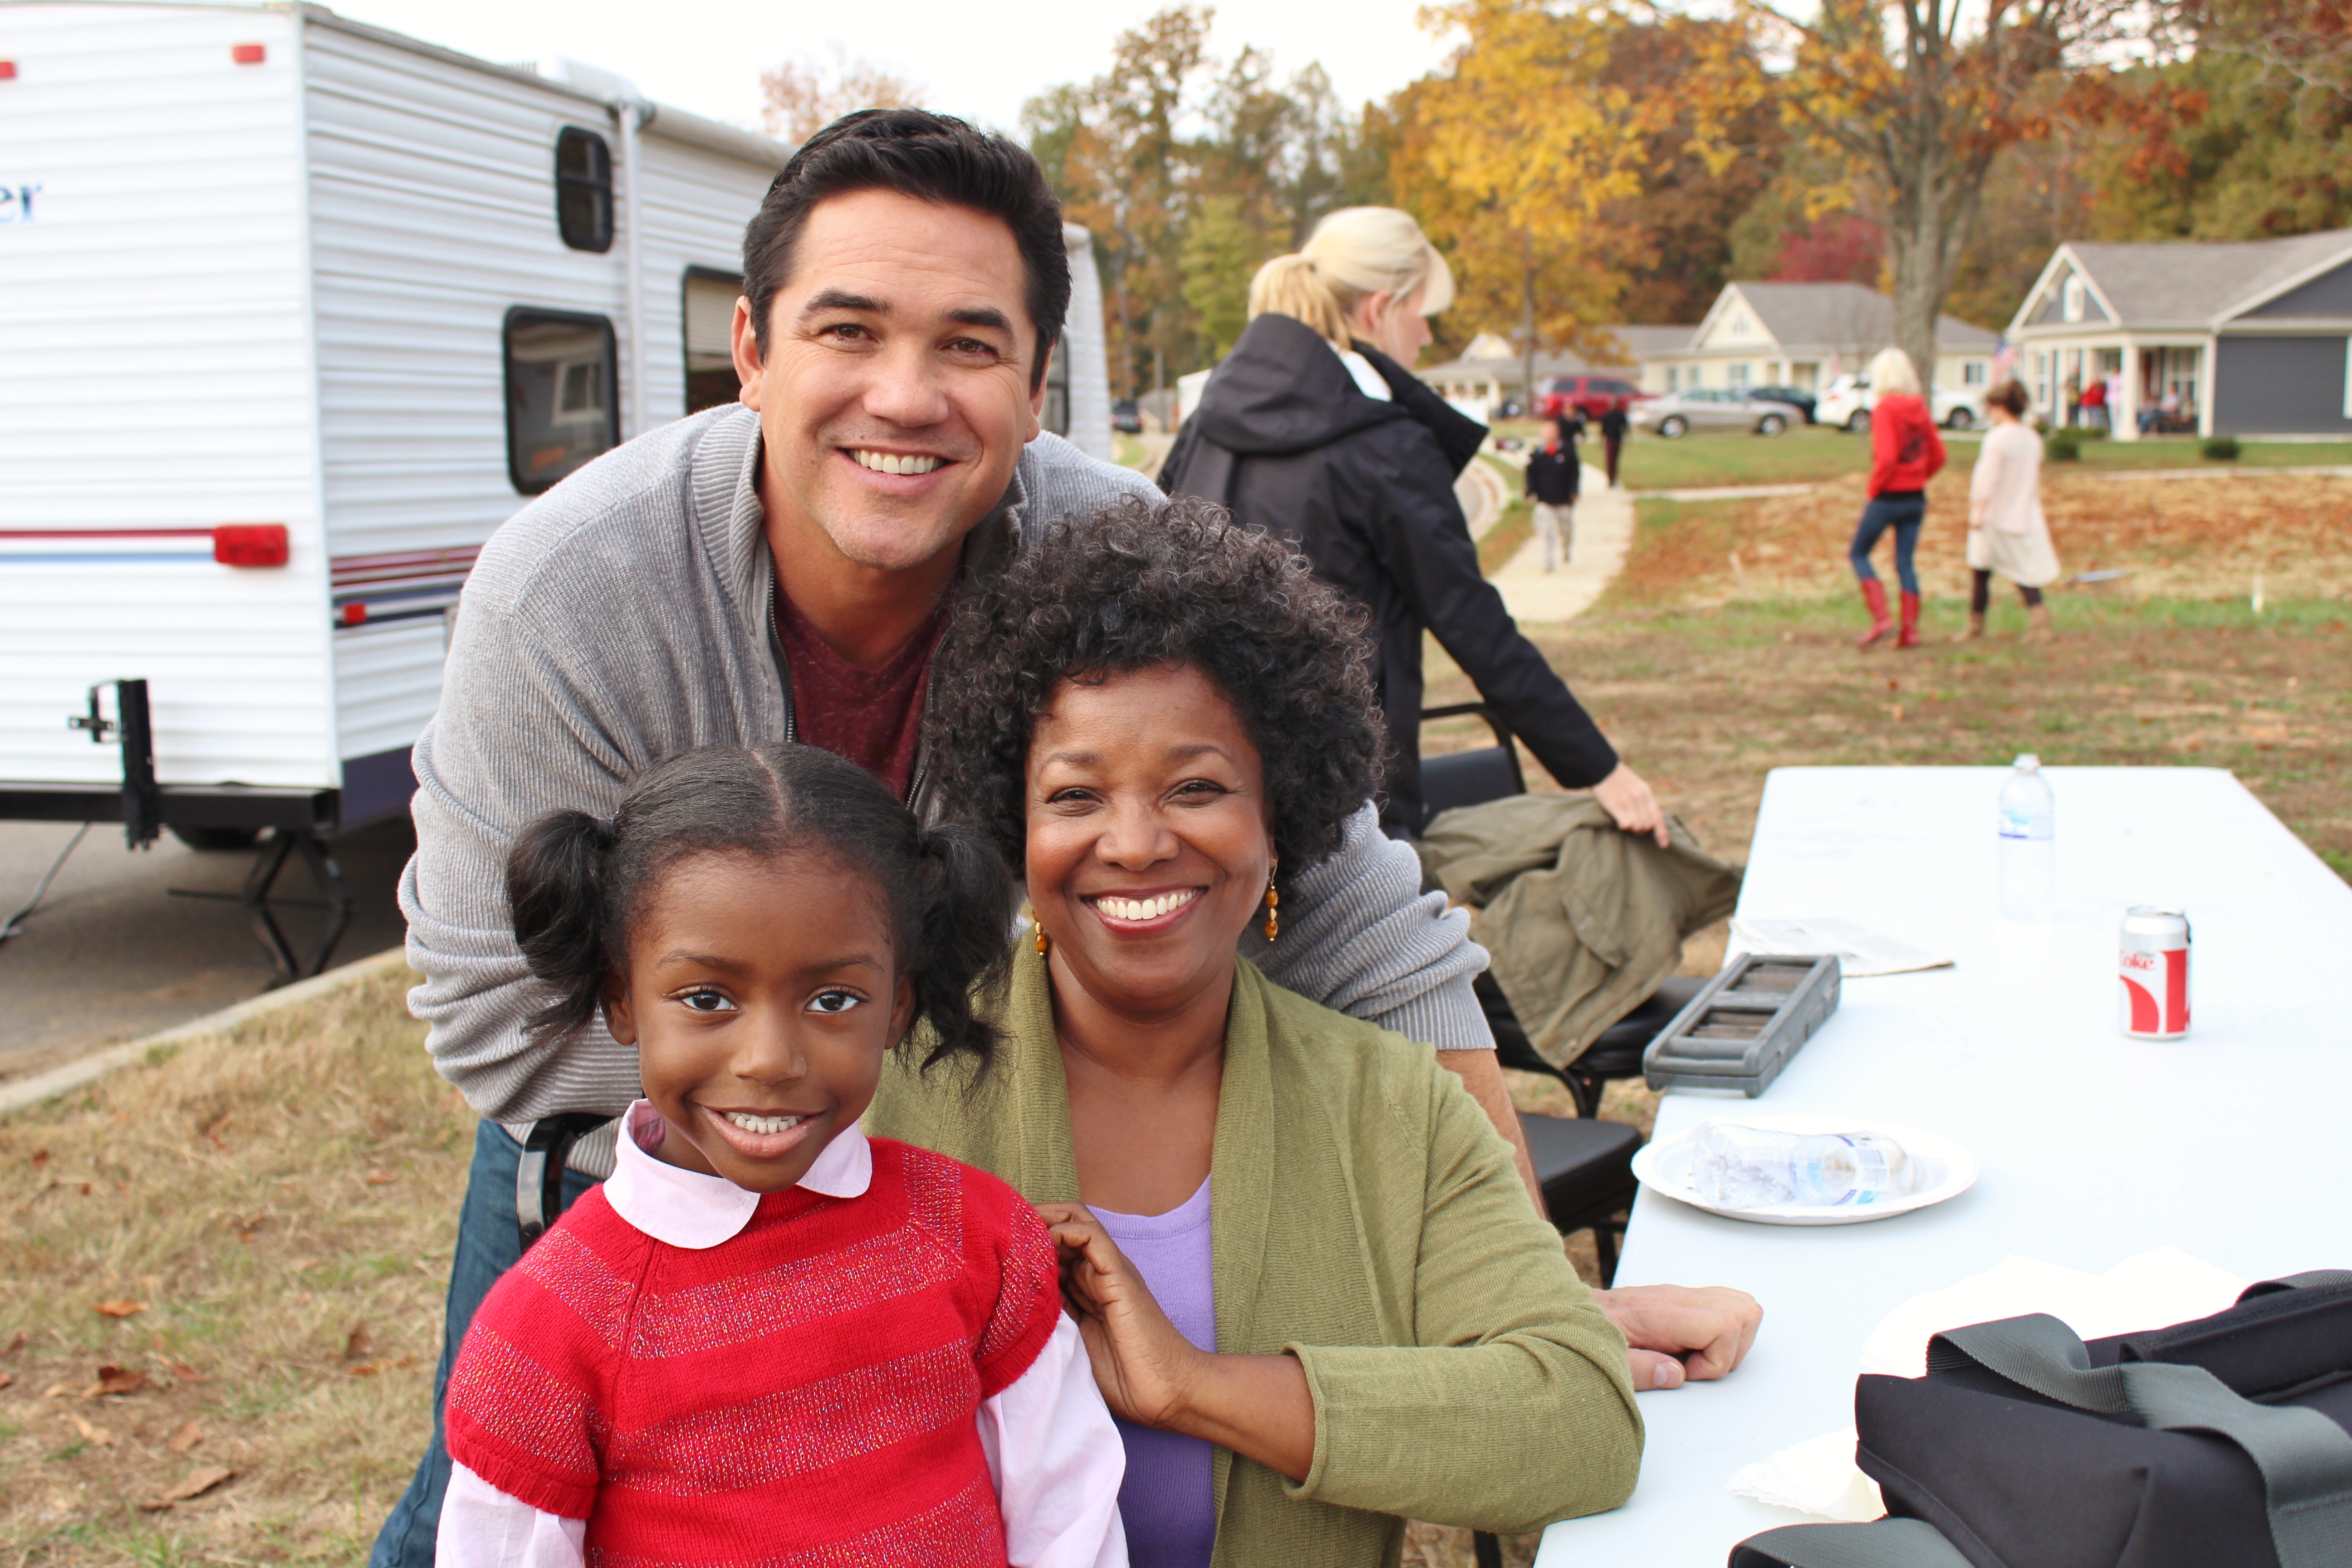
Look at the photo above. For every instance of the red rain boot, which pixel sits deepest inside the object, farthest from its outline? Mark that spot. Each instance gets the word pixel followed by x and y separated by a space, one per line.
pixel 1910 638
pixel 1874 594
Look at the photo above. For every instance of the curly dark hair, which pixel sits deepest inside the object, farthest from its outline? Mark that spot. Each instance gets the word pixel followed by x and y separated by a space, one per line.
pixel 1134 586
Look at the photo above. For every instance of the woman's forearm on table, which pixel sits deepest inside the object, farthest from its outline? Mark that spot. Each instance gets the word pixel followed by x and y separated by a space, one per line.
pixel 1257 1405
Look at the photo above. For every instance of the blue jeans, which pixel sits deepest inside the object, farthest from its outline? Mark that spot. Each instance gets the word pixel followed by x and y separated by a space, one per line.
pixel 487 1246
pixel 1904 512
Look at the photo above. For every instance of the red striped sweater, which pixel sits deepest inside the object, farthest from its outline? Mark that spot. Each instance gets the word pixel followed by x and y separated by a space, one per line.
pixel 804 1393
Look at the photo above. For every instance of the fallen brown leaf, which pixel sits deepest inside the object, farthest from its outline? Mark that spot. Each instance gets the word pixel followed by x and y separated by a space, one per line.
pixel 300 1264
pixel 124 1309
pixel 59 1391
pixel 182 1371
pixel 7 1378
pixel 95 1437
pixel 199 1482
pixel 119 1380
pixel 185 1439
pixel 40 1156
pixel 361 1345
pixel 380 1178
pixel 15 1344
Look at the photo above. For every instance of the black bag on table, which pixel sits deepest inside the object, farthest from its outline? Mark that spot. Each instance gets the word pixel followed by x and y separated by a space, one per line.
pixel 2224 1442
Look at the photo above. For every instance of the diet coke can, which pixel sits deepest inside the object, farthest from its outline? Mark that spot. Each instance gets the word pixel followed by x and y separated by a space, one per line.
pixel 2154 969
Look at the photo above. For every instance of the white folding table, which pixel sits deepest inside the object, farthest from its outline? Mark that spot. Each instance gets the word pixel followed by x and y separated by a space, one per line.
pixel 2230 1144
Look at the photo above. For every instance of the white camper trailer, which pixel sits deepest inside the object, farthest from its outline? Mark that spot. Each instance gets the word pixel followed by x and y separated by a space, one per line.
pixel 293 313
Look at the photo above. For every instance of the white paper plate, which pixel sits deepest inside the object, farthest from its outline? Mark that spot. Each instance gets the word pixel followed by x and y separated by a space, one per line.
pixel 1949 1170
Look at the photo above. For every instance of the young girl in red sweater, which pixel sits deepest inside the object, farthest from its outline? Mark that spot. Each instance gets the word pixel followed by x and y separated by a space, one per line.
pixel 768 1339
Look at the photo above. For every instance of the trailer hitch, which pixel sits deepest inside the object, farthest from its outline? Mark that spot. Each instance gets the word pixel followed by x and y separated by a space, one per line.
pixel 143 803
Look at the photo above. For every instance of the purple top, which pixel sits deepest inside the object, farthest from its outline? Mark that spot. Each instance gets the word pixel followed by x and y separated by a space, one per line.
pixel 1169 1501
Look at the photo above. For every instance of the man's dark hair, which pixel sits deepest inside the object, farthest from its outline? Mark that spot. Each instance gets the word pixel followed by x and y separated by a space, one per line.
pixel 1135 586
pixel 932 158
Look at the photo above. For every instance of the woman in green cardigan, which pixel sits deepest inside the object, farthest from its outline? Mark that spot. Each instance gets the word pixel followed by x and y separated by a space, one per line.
pixel 1154 712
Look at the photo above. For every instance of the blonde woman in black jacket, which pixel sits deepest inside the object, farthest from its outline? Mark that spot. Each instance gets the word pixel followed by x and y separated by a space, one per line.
pixel 1314 428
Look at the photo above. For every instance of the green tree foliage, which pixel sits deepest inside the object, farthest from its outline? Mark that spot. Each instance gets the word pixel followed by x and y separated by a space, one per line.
pixel 1190 171
pixel 1220 256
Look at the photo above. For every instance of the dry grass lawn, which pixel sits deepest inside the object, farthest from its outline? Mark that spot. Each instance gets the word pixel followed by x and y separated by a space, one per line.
pixel 229 1260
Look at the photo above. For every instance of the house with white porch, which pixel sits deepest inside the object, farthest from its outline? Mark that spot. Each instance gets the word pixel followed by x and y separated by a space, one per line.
pixel 1804 335
pixel 2245 337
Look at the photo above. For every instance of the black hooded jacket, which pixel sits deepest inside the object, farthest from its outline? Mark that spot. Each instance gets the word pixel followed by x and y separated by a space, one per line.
pixel 1285 440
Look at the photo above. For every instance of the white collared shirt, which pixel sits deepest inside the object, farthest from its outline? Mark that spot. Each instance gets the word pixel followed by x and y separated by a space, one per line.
pixel 1053 1453
pixel 1368 382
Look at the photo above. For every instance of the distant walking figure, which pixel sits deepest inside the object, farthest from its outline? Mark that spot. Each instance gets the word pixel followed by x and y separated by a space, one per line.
pixel 1612 436
pixel 1904 453
pixel 1553 476
pixel 2007 532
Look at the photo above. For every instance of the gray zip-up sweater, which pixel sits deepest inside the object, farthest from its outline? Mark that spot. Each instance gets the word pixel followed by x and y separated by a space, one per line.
pixel 624 617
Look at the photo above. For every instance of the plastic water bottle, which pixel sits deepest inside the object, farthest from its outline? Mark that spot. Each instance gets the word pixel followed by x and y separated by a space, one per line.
pixel 2029 846
pixel 1742 1167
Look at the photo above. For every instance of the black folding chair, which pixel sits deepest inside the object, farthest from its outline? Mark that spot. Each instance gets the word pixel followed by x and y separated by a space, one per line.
pixel 1584 1166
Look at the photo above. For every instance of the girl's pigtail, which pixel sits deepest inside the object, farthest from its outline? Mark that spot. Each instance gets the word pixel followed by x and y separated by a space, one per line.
pixel 555 888
pixel 965 941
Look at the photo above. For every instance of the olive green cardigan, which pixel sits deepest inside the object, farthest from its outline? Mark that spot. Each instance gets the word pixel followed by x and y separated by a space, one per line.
pixel 1367 1219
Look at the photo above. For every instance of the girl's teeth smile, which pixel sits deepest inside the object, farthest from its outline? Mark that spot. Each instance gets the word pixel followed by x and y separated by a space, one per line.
pixel 1150 908
pixel 749 1123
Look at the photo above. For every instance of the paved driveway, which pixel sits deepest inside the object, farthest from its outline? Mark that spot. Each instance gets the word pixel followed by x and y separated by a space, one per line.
pixel 111 955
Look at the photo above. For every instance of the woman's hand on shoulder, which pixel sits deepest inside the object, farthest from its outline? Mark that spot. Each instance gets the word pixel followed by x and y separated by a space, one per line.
pixel 1143 1365
pixel 1673 1332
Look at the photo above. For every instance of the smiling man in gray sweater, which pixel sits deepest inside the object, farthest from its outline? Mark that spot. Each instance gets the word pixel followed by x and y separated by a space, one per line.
pixel 781 568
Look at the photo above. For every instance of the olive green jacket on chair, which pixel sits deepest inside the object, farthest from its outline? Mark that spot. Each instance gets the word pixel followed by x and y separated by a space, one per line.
pixel 1366 1217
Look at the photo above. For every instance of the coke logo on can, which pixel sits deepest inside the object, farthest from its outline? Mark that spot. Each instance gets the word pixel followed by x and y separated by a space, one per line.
pixel 2154 964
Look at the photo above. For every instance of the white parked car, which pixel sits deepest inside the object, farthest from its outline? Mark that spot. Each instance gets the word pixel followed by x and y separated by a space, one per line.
pixel 1678 414
pixel 1847 403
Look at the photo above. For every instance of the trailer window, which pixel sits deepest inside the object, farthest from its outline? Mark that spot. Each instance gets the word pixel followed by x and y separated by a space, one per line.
pixel 583 189
pixel 709 306
pixel 564 404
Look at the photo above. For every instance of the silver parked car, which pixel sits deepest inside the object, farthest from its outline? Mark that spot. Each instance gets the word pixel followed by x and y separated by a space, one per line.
pixel 1709 408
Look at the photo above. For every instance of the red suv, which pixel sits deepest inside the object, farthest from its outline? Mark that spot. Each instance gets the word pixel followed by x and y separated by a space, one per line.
pixel 1591 395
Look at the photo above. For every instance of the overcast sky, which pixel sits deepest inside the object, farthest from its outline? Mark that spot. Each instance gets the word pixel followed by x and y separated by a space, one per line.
pixel 977 60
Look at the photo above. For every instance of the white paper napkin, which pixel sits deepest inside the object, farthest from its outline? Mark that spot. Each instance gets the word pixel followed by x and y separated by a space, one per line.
pixel 1859 950
pixel 2166 1285
pixel 1816 1477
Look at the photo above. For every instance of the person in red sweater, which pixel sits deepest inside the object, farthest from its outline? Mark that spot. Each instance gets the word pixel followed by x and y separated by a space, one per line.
pixel 1906 451
pixel 768 1337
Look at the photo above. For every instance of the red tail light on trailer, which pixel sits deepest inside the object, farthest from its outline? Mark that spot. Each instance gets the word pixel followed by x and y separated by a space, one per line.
pixel 249 54
pixel 250 544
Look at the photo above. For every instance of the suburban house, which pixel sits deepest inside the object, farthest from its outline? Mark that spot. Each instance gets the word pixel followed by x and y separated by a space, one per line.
pixel 2247 337
pixel 1805 334
pixel 1756 334
pixel 1491 371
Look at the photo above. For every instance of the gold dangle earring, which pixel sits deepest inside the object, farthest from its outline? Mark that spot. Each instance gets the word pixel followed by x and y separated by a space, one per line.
pixel 1045 942
pixel 1272 917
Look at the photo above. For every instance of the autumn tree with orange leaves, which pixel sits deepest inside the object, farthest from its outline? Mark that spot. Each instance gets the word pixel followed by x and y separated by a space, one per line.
pixel 1919 97
pixel 1525 159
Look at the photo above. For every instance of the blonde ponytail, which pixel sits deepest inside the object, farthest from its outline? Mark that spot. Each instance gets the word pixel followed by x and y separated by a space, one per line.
pixel 1289 286
pixel 1353 253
